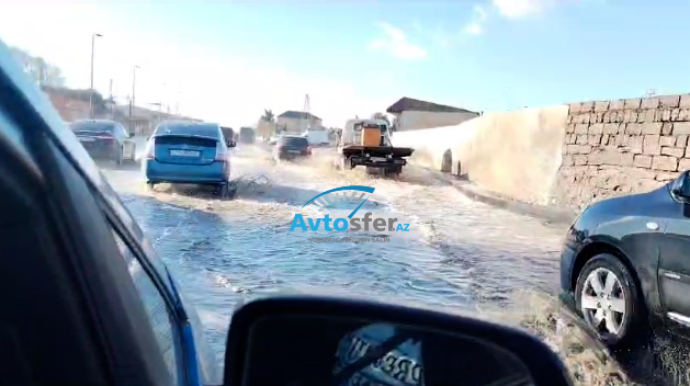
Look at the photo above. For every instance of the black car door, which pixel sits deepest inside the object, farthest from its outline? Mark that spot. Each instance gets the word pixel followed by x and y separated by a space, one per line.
pixel 674 263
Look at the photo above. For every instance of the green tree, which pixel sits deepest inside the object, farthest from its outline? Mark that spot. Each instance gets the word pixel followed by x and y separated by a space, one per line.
pixel 381 116
pixel 41 71
pixel 268 116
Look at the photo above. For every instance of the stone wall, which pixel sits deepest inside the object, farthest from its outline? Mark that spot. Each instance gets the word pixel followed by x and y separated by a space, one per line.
pixel 622 146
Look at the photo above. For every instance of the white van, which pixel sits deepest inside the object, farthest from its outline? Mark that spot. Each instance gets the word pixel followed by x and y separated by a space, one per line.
pixel 317 137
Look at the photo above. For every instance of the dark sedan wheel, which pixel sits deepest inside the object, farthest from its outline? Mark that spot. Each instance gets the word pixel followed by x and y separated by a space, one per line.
pixel 609 300
pixel 118 157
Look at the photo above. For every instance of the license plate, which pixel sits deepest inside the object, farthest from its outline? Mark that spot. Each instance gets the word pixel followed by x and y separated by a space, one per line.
pixel 82 139
pixel 378 159
pixel 294 152
pixel 184 153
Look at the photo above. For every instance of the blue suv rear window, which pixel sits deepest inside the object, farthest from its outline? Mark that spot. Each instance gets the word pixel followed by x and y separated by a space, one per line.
pixel 191 129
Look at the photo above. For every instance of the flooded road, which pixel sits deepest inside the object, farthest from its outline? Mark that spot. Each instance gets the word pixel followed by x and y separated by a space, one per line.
pixel 457 253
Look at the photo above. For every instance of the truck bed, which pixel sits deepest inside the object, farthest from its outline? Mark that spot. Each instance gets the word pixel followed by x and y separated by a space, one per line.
pixel 377 151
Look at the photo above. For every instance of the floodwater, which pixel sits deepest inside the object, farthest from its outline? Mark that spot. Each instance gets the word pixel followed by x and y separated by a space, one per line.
pixel 456 253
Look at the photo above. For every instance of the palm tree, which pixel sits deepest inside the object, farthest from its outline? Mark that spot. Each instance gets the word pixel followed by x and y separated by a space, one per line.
pixel 268 116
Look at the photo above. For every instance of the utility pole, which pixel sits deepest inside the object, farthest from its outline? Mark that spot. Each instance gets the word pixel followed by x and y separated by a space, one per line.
pixel 112 102
pixel 307 107
pixel 93 53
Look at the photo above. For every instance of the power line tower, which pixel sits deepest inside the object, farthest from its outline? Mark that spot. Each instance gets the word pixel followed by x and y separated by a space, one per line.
pixel 306 112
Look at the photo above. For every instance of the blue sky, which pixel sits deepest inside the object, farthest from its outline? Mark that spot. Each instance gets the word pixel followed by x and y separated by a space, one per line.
pixel 482 55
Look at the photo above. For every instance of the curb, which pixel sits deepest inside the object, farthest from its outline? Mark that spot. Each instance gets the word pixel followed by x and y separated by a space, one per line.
pixel 551 215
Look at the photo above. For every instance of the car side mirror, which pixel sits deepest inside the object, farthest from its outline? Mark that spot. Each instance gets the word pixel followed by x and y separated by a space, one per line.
pixel 681 186
pixel 320 340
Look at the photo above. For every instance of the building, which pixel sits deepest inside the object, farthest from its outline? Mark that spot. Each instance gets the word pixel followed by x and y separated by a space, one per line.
pixel 413 114
pixel 296 122
pixel 73 105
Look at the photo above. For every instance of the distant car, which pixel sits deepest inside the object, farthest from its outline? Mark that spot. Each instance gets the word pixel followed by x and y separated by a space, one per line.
pixel 247 135
pixel 105 139
pixel 289 147
pixel 317 137
pixel 189 153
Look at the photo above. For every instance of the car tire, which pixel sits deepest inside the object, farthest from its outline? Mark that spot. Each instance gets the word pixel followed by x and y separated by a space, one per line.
pixel 119 157
pixel 227 191
pixel 600 307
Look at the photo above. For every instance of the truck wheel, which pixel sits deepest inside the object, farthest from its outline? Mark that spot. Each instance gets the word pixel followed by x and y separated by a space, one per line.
pixel 345 163
pixel 396 170
pixel 392 171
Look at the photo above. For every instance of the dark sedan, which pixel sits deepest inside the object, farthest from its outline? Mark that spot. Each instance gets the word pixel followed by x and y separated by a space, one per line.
pixel 626 262
pixel 105 139
pixel 290 147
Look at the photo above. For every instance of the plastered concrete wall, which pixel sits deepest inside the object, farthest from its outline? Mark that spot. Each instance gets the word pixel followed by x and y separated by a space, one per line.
pixel 516 154
pixel 415 120
pixel 570 155
pixel 623 146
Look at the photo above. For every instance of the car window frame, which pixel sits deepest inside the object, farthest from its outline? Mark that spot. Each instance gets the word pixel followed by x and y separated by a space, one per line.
pixel 172 304
pixel 84 345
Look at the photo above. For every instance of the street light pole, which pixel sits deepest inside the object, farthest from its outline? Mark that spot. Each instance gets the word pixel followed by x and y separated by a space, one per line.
pixel 134 84
pixel 160 98
pixel 93 52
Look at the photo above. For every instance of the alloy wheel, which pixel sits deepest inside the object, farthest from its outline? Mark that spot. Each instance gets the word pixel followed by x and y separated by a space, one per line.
pixel 603 301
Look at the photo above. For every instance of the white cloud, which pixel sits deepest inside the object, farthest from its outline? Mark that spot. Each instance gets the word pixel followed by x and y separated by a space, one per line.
pixel 476 25
pixel 518 9
pixel 395 42
pixel 205 82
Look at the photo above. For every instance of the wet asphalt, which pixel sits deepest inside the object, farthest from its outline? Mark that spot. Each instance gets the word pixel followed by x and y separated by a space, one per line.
pixel 457 253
